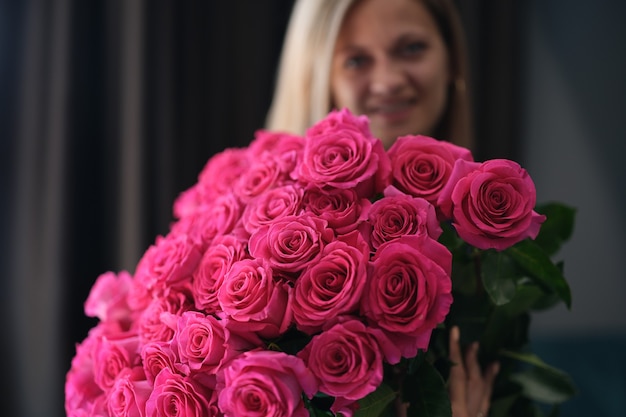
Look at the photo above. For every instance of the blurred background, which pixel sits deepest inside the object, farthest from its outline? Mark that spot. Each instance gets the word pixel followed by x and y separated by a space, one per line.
pixel 110 108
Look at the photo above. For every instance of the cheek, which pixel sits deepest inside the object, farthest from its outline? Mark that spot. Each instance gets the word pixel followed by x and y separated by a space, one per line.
pixel 432 77
pixel 345 93
pixel 436 75
pixel 439 95
pixel 432 82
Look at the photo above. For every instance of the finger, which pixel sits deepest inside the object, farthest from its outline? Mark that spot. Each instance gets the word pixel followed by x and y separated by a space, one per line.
pixel 401 408
pixel 455 348
pixel 490 376
pixel 475 382
pixel 458 377
pixel 471 363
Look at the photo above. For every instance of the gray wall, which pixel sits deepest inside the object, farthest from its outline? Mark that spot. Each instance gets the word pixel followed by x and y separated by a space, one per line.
pixel 574 146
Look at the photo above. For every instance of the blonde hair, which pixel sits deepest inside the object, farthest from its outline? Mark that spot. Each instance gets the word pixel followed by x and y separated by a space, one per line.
pixel 302 94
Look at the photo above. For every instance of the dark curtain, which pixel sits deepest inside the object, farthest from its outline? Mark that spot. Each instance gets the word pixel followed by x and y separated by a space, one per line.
pixel 113 107
pixel 108 110
pixel 494 36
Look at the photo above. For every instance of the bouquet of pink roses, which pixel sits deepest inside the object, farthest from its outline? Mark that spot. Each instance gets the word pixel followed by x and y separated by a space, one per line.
pixel 304 275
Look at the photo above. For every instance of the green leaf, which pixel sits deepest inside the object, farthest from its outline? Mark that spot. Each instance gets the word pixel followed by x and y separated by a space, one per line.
pixel 529 296
pixel 557 228
pixel 426 390
pixel 415 362
pixel 449 236
pixel 499 273
pixel 547 385
pixel 314 410
pixel 291 342
pixel 532 259
pixel 528 358
pixel 542 382
pixel 376 402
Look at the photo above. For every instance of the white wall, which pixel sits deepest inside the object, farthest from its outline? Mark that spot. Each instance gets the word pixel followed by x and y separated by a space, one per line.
pixel 574 146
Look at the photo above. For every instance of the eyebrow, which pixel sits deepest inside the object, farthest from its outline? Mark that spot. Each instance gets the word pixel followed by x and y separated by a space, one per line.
pixel 403 37
pixel 348 49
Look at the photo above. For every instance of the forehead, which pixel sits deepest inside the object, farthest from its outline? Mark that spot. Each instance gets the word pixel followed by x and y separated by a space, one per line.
pixel 370 22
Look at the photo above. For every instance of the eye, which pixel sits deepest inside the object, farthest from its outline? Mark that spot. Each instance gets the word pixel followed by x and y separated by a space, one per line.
pixel 413 48
pixel 356 61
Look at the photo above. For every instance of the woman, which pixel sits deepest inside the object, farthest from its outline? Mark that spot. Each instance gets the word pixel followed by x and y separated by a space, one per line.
pixel 403 64
pixel 317 40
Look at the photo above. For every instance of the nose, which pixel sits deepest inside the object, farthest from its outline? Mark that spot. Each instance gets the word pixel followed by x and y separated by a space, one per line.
pixel 387 77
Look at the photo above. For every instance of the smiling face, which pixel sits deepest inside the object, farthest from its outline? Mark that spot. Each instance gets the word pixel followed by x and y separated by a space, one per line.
pixel 390 63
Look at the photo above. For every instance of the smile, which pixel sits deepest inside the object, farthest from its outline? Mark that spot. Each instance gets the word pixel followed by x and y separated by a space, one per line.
pixel 393 111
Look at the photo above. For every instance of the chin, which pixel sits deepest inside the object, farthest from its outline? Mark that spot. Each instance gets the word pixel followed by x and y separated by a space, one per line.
pixel 388 136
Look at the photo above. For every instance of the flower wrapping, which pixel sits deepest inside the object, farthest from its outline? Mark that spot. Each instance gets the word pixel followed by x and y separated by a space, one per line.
pixel 301 276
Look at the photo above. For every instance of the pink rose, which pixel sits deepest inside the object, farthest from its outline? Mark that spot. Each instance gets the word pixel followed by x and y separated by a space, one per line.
pixel 209 275
pixel 107 298
pixel 222 170
pixel 399 214
pixel 346 360
pixel 139 296
pixel 112 330
pixel 152 324
pixel 409 291
pixel 217 177
pixel 343 209
pixel 291 243
pixel 99 408
pixel 175 395
pixel 341 154
pixel 204 344
pixel 345 408
pixel 188 202
pixel 81 390
pixel 338 120
pixel 129 394
pixel 421 165
pixel 219 217
pixel 491 203
pixel 155 356
pixel 287 147
pixel 272 142
pixel 331 287
pixel 168 264
pixel 263 174
pixel 254 300
pixel 112 356
pixel 265 383
pixel 272 205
